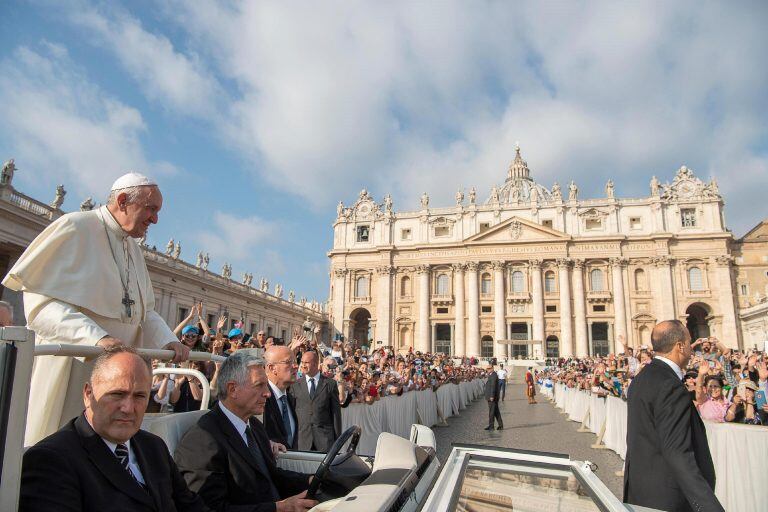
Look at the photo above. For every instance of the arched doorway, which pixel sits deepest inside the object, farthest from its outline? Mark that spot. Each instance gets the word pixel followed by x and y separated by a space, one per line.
pixel 553 347
pixel 697 322
pixel 406 338
pixel 361 326
pixel 486 346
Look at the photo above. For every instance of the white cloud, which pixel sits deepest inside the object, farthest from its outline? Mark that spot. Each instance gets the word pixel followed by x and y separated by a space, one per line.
pixel 324 98
pixel 175 80
pixel 244 241
pixel 63 128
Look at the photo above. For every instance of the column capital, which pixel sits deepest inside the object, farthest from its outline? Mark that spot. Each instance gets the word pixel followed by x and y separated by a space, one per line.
pixel 724 260
pixel 340 272
pixel 498 265
pixel 564 262
pixel 535 263
pixel 385 270
pixel 618 262
pixel 472 266
pixel 458 267
pixel 661 261
pixel 579 263
pixel 422 269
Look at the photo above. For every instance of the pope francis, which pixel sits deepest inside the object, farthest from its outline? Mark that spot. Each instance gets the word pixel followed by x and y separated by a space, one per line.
pixel 85 282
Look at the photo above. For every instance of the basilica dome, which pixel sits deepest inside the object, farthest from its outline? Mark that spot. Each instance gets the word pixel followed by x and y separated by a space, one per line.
pixel 519 187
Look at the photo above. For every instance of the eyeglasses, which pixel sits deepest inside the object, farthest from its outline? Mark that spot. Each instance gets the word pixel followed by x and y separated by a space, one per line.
pixel 283 362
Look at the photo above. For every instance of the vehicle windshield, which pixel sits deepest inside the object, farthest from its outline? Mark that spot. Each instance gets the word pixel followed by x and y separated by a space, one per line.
pixel 490 484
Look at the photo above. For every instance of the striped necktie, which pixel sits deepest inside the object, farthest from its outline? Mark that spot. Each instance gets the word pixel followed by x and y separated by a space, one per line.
pixel 121 452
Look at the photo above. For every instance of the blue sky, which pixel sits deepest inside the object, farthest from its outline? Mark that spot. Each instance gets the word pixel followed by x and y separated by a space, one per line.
pixel 258 117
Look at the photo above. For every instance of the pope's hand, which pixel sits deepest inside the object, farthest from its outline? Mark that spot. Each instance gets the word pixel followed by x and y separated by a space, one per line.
pixel 181 351
pixel 109 341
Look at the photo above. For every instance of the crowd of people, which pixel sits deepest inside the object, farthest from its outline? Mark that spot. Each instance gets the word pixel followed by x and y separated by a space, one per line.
pixel 726 385
pixel 361 374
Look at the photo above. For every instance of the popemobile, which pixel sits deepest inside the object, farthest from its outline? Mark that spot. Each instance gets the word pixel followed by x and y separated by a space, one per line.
pixel 401 475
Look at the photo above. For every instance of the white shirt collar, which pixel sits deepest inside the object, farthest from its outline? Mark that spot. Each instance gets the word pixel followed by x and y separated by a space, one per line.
pixel 315 376
pixel 236 421
pixel 113 446
pixel 276 392
pixel 672 365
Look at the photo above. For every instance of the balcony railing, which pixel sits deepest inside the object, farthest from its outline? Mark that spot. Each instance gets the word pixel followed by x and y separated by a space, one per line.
pixel 518 297
pixel 443 298
pixel 599 296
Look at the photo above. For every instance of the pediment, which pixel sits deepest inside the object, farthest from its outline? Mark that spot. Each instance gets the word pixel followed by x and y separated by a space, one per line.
pixel 517 230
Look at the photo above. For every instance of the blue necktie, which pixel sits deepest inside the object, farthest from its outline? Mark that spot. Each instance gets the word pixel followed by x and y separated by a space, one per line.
pixel 286 419
pixel 312 387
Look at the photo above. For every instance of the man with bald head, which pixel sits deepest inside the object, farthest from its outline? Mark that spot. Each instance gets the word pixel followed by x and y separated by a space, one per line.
pixel 85 283
pixel 317 406
pixel 101 460
pixel 280 409
pixel 668 465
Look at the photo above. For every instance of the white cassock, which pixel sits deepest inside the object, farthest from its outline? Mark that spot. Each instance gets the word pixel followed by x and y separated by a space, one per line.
pixel 73 284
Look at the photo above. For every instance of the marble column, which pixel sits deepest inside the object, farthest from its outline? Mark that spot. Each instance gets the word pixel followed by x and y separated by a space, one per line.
pixel 619 305
pixel 473 311
pixel 729 335
pixel 384 304
pixel 499 310
pixel 459 334
pixel 338 302
pixel 423 341
pixel 665 309
pixel 566 319
pixel 580 310
pixel 538 301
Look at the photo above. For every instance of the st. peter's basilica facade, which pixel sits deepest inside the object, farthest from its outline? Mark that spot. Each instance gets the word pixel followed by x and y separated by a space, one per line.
pixel 535 272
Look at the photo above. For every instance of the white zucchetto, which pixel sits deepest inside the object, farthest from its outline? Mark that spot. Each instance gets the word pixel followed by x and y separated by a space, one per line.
pixel 132 179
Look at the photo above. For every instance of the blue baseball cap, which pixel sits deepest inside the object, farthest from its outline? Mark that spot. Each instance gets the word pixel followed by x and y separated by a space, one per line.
pixel 234 332
pixel 190 328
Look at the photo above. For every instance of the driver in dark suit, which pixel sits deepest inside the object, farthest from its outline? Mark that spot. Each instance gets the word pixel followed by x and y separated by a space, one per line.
pixel 226 457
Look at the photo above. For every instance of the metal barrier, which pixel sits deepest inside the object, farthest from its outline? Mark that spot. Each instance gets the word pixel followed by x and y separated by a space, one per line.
pixel 190 372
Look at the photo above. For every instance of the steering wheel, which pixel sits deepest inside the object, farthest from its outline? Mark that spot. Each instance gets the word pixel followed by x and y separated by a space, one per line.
pixel 352 433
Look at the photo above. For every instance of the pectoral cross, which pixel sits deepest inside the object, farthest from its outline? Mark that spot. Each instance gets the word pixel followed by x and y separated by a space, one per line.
pixel 127 302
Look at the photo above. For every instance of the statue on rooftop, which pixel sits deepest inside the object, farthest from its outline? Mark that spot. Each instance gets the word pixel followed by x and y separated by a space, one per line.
pixel 6 177
pixel 557 194
pixel 206 261
pixel 59 199
pixel 472 195
pixel 169 247
pixel 609 189
pixel 459 197
pixel 573 191
pixel 655 187
pixel 177 251
pixel 87 205
pixel 199 262
pixel 388 203
pixel 424 200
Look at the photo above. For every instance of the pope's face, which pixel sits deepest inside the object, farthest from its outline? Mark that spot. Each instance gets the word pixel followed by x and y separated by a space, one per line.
pixel 138 215
pixel 116 399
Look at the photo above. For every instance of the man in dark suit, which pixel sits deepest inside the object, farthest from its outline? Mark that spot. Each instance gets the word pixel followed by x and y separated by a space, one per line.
pixel 668 464
pixel 492 396
pixel 226 457
pixel 101 460
pixel 280 410
pixel 317 406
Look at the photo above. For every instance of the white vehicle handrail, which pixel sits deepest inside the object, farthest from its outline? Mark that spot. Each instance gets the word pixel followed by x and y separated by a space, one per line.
pixel 190 372
pixel 61 349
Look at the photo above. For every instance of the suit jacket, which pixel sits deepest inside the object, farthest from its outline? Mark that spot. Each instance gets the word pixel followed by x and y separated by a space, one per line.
pixel 74 470
pixel 216 463
pixel 273 422
pixel 492 387
pixel 319 417
pixel 668 464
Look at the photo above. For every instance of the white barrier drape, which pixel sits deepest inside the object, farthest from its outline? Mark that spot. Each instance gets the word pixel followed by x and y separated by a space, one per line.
pixel 396 414
pixel 738 451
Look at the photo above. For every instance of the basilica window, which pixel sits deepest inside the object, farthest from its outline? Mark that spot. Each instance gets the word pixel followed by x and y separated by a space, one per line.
pixel 484 226
pixel 442 230
pixel 518 282
pixel 641 283
pixel 549 282
pixel 361 287
pixel 443 285
pixel 596 280
pixel 485 284
pixel 695 279
pixel 363 233
pixel 593 224
pixel 405 286
pixel 688 217
pixel 406 234
pixel 547 223
pixel 635 223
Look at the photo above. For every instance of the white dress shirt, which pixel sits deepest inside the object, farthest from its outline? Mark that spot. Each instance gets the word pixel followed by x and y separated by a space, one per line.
pixel 132 464
pixel 278 395
pixel 316 378
pixel 236 421
pixel 672 365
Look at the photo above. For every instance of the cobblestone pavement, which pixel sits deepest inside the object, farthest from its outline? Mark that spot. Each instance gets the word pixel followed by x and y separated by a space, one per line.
pixel 531 427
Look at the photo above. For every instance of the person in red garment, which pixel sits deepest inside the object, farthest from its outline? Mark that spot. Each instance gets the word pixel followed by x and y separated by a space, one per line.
pixel 530 388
